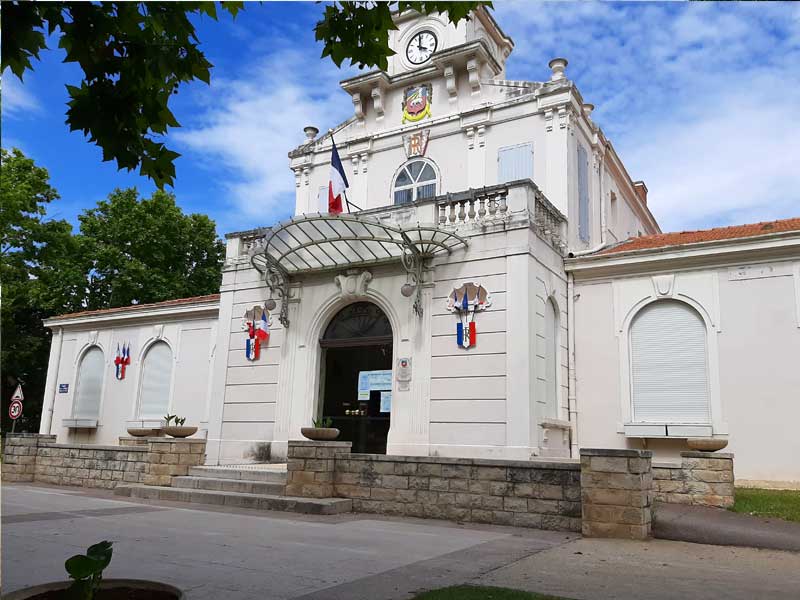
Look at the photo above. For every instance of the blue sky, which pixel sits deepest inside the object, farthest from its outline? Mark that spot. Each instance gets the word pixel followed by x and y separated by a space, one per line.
pixel 700 100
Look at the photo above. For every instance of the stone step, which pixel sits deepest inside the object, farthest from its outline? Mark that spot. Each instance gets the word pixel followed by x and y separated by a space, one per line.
pixel 314 506
pixel 243 486
pixel 270 473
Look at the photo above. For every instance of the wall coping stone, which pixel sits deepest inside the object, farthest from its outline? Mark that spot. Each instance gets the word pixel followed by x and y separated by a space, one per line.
pixel 316 443
pixel 697 454
pixel 566 464
pixel 28 435
pixel 95 447
pixel 667 465
pixel 171 440
pixel 618 452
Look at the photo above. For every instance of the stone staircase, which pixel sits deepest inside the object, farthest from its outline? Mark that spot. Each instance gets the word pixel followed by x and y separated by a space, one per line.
pixel 259 487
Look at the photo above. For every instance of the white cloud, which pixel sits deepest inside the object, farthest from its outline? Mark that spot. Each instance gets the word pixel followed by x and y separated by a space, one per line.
pixel 250 123
pixel 17 101
pixel 700 100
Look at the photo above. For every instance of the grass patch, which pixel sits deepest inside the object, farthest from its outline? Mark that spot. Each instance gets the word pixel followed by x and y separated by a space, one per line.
pixel 473 592
pixel 782 504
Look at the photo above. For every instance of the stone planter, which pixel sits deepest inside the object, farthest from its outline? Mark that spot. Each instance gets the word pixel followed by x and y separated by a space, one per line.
pixel 707 444
pixel 142 432
pixel 320 434
pixel 110 589
pixel 179 431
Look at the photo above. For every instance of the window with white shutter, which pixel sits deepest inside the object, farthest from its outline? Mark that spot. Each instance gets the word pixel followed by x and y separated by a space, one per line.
pixel 515 162
pixel 89 388
pixel 669 366
pixel 156 382
pixel 583 194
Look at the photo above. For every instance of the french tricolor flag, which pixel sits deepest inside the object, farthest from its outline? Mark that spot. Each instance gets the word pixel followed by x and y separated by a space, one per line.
pixel 337 184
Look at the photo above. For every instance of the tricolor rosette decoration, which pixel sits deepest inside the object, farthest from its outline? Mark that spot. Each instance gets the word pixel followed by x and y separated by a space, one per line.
pixel 256 322
pixel 466 301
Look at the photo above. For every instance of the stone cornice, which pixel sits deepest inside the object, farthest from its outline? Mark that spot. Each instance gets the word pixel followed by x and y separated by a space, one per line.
pixel 199 310
pixel 776 246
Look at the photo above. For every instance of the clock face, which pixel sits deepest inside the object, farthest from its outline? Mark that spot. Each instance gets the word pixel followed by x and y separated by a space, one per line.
pixel 421 47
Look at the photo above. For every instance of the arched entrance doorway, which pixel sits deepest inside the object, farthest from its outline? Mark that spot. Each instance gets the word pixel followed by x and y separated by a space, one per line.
pixel 357 375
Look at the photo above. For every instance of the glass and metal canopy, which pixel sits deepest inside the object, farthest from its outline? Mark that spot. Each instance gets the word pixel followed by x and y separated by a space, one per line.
pixel 317 243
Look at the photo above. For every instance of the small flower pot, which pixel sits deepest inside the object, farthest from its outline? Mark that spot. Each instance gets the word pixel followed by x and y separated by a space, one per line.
pixel 110 589
pixel 320 434
pixel 179 431
pixel 706 444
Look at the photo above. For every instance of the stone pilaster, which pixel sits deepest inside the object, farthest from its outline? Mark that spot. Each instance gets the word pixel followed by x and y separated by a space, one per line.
pixel 616 490
pixel 310 467
pixel 171 457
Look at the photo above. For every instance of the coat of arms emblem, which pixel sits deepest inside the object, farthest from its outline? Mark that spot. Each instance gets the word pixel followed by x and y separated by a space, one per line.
pixel 417 102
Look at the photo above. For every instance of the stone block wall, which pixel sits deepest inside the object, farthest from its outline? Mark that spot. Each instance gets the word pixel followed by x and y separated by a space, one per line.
pixel 20 451
pixel 37 458
pixel 540 494
pixel 616 490
pixel 701 479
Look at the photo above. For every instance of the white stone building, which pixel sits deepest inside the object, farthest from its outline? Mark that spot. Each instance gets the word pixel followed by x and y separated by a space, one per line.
pixel 458 176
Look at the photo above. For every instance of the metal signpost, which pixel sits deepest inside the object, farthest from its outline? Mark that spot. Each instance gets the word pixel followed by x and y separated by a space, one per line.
pixel 15 408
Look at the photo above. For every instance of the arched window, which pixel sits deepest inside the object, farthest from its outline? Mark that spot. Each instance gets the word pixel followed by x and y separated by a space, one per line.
pixel 156 382
pixel 415 181
pixel 669 372
pixel 359 320
pixel 89 388
pixel 551 357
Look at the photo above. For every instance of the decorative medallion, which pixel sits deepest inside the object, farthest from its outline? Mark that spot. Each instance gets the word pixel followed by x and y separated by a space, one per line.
pixel 416 143
pixel 256 322
pixel 122 360
pixel 467 300
pixel 417 102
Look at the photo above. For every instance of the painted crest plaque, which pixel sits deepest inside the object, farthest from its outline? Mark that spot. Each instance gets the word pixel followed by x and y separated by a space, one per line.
pixel 417 102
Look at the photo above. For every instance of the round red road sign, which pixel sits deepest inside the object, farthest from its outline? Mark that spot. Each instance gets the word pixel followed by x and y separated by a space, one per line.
pixel 15 409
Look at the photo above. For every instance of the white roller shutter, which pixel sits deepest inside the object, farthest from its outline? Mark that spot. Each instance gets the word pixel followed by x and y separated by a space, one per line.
pixel 156 380
pixel 583 194
pixel 89 387
pixel 515 162
pixel 669 374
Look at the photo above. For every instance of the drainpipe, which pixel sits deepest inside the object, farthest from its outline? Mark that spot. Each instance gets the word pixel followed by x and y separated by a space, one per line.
pixel 51 388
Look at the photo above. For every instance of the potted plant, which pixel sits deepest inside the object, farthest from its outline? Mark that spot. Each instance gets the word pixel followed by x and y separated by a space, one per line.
pixel 86 572
pixel 178 430
pixel 321 431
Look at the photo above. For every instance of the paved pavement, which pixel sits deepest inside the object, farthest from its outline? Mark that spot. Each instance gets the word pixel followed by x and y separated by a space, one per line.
pixel 211 553
pixel 724 528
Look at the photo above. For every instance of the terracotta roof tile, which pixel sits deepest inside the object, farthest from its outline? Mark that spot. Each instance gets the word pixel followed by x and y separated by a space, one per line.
pixel 679 238
pixel 135 307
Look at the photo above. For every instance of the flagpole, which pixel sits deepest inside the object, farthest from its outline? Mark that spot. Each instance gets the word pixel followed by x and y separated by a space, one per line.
pixel 346 200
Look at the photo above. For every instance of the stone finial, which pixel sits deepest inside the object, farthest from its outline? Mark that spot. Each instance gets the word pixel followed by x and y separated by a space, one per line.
pixel 557 66
pixel 310 131
pixel 587 109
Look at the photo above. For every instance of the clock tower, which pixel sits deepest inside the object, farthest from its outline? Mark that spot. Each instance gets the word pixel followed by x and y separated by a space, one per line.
pixel 438 69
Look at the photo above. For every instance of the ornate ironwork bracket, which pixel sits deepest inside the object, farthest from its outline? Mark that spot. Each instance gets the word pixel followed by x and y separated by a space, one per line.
pixel 278 283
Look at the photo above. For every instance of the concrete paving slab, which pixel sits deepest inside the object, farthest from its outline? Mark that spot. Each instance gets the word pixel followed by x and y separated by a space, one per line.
pixel 595 569
pixel 214 554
